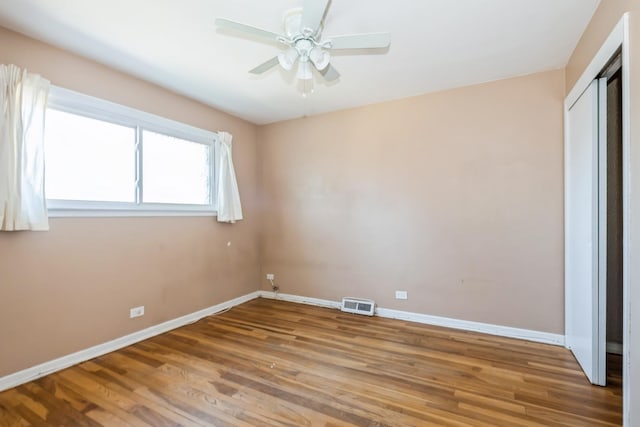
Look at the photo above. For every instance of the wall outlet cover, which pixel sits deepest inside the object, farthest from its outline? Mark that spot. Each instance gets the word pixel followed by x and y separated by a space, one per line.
pixel 271 276
pixel 401 295
pixel 136 312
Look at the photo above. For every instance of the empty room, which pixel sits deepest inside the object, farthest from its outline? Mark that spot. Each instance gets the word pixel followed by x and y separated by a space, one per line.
pixel 319 213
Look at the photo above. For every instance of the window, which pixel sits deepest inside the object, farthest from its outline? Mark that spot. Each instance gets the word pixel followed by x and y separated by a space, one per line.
pixel 89 159
pixel 106 159
pixel 189 163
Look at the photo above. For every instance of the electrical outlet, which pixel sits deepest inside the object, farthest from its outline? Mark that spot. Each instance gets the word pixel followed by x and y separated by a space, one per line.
pixel 271 276
pixel 401 295
pixel 136 312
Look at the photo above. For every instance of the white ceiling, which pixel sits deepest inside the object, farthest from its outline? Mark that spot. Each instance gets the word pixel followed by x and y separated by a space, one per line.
pixel 435 45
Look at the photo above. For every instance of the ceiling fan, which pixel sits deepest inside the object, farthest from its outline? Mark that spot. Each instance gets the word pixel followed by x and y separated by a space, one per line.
pixel 303 36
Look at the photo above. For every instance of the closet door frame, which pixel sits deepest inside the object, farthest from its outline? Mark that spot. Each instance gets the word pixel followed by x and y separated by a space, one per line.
pixel 616 42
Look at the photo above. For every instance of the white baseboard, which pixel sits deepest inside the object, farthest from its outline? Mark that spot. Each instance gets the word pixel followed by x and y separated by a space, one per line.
pixel 38 371
pixel 486 328
pixel 614 347
pixel 467 325
pixel 29 374
pixel 299 299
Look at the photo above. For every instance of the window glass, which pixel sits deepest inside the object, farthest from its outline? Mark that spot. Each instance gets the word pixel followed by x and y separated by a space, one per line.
pixel 175 170
pixel 89 159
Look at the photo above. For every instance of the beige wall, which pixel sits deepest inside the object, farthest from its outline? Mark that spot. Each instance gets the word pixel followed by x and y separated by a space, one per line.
pixel 605 18
pixel 455 197
pixel 72 287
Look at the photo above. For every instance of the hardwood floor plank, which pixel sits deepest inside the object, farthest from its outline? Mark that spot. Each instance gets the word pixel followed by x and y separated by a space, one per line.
pixel 29 416
pixel 199 371
pixel 9 418
pixel 119 386
pixel 238 364
pixel 103 398
pixel 14 398
pixel 272 363
pixel 251 366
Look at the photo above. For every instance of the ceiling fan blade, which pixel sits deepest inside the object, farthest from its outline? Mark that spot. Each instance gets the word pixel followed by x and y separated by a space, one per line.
pixel 250 30
pixel 312 13
pixel 330 74
pixel 265 66
pixel 360 41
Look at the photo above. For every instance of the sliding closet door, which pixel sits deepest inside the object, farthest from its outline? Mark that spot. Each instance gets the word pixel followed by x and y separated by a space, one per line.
pixel 583 233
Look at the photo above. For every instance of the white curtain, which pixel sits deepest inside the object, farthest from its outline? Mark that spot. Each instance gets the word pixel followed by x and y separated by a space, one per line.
pixel 23 101
pixel 229 207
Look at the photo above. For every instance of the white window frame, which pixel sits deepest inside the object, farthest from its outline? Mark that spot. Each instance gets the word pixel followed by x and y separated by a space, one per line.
pixel 84 105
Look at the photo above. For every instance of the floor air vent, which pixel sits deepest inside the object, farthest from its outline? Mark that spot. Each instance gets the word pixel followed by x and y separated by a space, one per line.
pixel 358 306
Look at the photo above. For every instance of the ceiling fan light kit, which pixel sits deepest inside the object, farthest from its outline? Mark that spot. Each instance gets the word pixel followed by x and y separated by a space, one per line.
pixel 303 29
pixel 288 58
pixel 320 58
pixel 304 70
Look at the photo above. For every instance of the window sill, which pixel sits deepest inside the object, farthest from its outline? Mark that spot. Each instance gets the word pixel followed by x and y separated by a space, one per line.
pixel 106 213
pixel 80 209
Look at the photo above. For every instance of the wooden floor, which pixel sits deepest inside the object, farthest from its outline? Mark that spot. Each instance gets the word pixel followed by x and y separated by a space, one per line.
pixel 272 363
